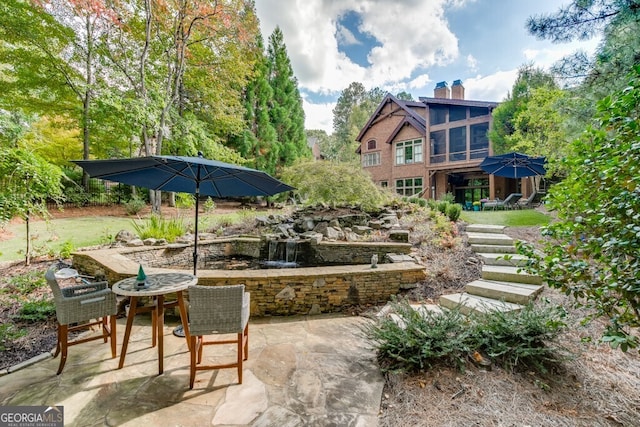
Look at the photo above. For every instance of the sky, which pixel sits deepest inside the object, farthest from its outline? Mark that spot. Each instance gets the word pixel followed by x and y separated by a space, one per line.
pixel 407 45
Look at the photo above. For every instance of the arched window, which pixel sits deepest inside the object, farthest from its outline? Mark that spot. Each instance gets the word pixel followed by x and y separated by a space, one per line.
pixel 371 144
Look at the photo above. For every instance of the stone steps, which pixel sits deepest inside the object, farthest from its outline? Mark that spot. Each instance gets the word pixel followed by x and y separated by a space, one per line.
pixel 502 286
pixel 502 273
pixel 512 260
pixel 495 249
pixel 468 303
pixel 485 228
pixel 517 293
pixel 489 239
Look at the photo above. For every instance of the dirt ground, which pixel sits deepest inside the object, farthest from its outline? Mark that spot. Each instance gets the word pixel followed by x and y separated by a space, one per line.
pixel 598 387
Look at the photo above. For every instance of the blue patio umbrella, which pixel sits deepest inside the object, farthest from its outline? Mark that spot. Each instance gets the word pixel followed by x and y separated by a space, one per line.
pixel 194 175
pixel 513 165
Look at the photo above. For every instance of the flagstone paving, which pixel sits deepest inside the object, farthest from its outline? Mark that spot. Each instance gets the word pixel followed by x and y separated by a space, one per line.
pixel 312 370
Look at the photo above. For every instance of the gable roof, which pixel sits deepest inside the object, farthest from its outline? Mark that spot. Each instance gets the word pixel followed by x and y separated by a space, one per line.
pixel 407 121
pixel 412 118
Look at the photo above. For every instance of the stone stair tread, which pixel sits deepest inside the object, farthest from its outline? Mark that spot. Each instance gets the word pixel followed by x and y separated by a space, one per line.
pixel 518 293
pixel 490 238
pixel 488 248
pixel 505 273
pixel 485 228
pixel 468 303
pixel 499 259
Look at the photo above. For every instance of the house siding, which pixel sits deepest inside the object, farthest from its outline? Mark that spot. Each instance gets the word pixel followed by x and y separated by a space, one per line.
pixel 458 169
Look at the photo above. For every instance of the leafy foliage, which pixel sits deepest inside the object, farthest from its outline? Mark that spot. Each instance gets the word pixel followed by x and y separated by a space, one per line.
pixel 418 339
pixel 592 250
pixel 334 184
pixel 37 311
pixel 8 333
pixel 27 283
pixel 158 227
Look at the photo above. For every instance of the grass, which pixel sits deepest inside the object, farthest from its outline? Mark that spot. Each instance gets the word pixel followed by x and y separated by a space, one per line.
pixel 51 237
pixel 61 234
pixel 514 218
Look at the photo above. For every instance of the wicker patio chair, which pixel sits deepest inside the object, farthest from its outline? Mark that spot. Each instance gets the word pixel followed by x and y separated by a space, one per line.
pixel 218 310
pixel 80 307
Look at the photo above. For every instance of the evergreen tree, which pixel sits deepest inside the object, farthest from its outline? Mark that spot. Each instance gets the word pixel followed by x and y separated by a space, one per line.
pixel 258 142
pixel 286 113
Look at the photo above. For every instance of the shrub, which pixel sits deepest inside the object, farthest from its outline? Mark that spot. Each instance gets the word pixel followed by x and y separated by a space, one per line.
pixel 158 227
pixel 66 249
pixel 209 205
pixel 453 211
pixel 28 282
pixel 520 339
pixel 335 184
pixel 134 206
pixel 442 206
pixel 185 200
pixel 448 197
pixel 418 339
pixel 37 311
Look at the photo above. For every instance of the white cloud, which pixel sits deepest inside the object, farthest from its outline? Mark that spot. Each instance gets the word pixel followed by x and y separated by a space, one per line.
pixel 494 87
pixel 472 63
pixel 318 115
pixel 408 40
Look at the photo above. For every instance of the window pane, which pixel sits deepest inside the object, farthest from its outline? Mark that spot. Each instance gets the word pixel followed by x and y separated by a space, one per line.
pixel 408 154
pixel 417 151
pixel 437 115
pixel 371 145
pixel 479 141
pixel 457 113
pixel 478 111
pixel 399 155
pixel 438 146
pixel 458 144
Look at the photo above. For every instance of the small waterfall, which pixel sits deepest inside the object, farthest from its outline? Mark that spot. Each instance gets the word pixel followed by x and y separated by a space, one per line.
pixel 291 251
pixel 282 254
pixel 273 248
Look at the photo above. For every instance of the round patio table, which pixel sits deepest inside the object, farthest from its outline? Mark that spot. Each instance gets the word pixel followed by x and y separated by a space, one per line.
pixel 156 286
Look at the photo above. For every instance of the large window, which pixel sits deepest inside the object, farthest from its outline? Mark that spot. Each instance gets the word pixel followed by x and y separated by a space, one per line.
pixel 371 159
pixel 409 186
pixel 479 141
pixel 458 144
pixel 457 113
pixel 478 111
pixel 438 146
pixel 437 115
pixel 408 152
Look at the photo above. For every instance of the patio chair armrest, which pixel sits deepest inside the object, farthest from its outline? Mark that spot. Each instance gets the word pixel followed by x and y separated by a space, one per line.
pixel 83 289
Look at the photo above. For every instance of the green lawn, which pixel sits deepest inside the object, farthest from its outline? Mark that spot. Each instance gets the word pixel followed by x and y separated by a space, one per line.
pixel 50 237
pixel 514 218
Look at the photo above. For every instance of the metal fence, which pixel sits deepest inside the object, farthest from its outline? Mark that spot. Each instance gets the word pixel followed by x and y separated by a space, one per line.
pixel 98 193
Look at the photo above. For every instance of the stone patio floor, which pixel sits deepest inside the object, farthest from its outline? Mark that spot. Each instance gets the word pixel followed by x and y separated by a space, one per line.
pixel 303 370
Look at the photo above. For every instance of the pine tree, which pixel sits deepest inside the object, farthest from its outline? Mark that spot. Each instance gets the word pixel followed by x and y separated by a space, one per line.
pixel 286 113
pixel 258 142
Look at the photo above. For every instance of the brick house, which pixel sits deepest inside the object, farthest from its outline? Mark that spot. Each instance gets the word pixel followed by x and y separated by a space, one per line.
pixel 394 151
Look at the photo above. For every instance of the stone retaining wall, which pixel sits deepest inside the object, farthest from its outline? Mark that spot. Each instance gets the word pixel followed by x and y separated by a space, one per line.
pixel 273 291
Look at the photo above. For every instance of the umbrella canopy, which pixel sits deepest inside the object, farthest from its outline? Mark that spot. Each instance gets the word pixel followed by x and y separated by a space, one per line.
pixel 513 165
pixel 194 175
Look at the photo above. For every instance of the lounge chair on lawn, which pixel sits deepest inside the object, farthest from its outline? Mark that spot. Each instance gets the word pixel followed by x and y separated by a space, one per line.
pixel 528 202
pixel 509 203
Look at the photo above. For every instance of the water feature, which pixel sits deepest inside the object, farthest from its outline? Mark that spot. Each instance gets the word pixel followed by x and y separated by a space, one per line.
pixel 282 254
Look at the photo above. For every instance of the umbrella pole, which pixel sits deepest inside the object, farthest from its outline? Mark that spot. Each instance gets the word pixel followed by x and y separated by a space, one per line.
pixel 195 243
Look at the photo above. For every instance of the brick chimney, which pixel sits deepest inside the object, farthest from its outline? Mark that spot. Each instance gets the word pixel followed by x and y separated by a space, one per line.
pixel 457 90
pixel 441 90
